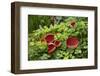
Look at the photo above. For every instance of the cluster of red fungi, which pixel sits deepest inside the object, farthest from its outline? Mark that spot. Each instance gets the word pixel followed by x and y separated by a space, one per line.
pixel 71 42
pixel 52 43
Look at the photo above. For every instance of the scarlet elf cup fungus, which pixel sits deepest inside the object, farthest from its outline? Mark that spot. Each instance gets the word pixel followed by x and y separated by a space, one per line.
pixel 52 44
pixel 51 48
pixel 49 38
pixel 72 23
pixel 72 42
pixel 57 43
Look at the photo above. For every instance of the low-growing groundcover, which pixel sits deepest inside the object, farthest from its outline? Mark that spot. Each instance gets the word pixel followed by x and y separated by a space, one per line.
pixel 57 37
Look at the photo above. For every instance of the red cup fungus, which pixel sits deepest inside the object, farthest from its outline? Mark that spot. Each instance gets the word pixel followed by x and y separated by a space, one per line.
pixel 52 44
pixel 49 38
pixel 51 48
pixel 72 23
pixel 72 42
pixel 57 43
